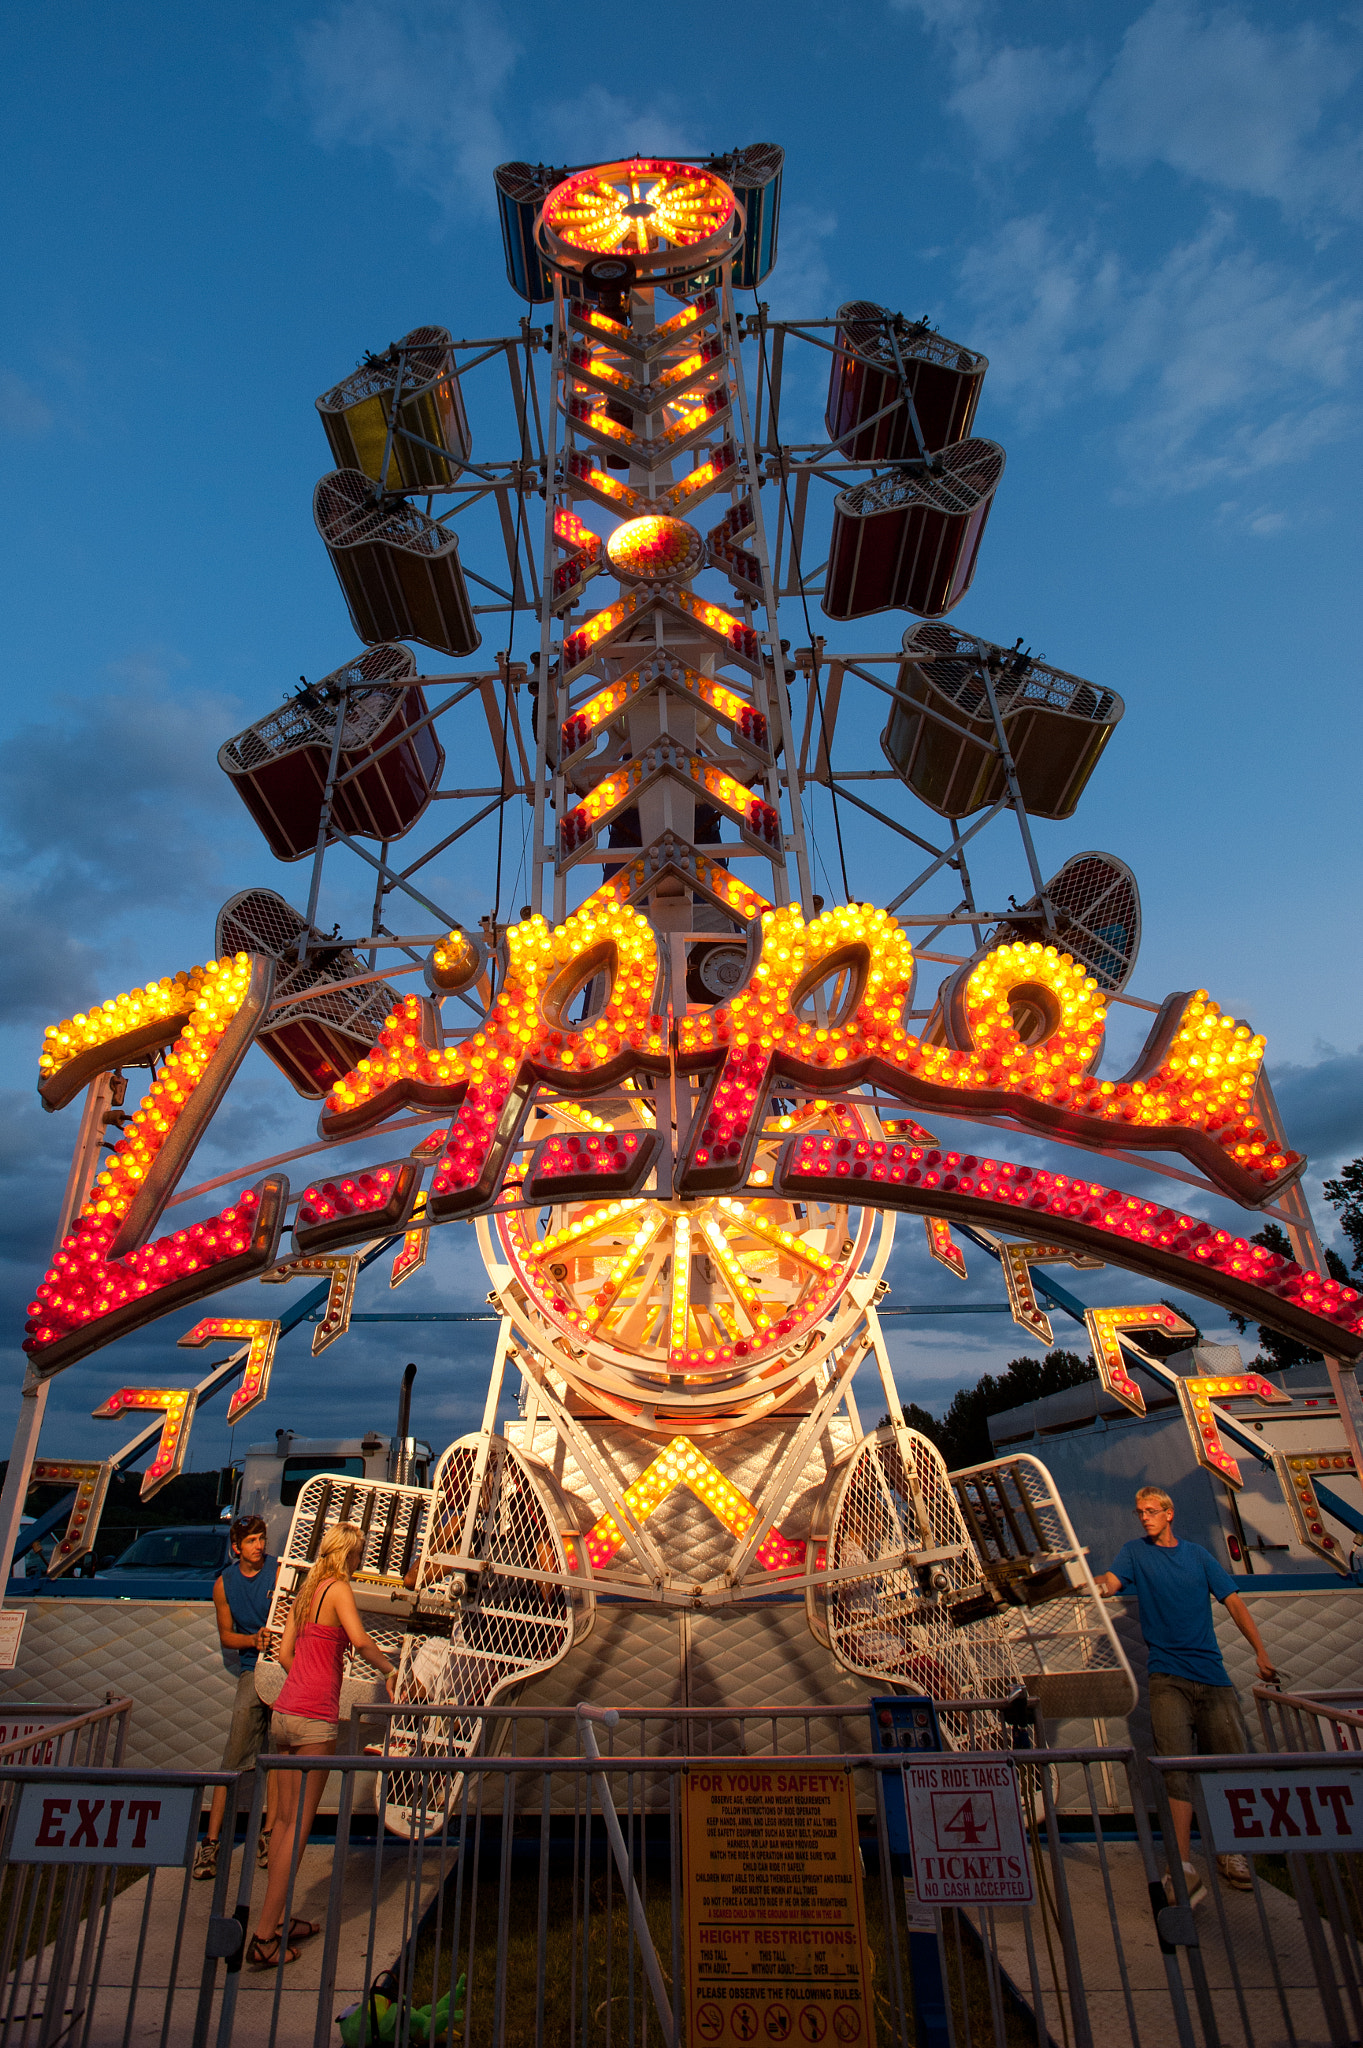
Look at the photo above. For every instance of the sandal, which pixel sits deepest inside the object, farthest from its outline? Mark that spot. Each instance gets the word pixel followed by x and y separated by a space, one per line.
pixel 259 1958
pixel 303 1930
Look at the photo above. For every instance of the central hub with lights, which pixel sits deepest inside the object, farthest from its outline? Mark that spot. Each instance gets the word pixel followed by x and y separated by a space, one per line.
pixel 669 219
pixel 655 549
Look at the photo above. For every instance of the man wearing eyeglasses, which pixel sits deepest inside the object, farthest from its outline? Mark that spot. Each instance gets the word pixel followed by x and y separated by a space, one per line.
pixel 1193 1705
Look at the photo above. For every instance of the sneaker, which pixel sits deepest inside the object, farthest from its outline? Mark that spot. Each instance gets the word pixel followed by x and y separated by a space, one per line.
pixel 206 1860
pixel 1197 1891
pixel 1235 1872
pixel 263 1849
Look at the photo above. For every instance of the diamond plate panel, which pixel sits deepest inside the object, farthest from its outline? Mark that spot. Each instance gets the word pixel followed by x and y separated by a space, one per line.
pixel 163 1655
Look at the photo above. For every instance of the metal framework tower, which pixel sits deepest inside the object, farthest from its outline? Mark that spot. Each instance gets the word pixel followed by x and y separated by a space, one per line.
pixel 690 1499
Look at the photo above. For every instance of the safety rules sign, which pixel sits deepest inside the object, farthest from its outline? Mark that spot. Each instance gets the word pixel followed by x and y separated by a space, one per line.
pixel 966 1833
pixel 775 1921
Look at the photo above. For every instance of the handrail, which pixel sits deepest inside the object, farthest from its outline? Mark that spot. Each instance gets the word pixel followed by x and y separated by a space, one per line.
pixel 1289 1714
pixel 1317 1703
pixel 85 1718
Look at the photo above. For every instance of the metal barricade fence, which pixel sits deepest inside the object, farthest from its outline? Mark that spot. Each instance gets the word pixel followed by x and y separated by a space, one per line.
pixel 546 1872
pixel 1316 1720
pixel 41 1911
pixel 1274 1955
pixel 543 1897
pixel 56 1735
pixel 95 1943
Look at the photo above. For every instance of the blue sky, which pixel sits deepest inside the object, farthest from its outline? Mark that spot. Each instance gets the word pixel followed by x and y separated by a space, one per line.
pixel 1146 216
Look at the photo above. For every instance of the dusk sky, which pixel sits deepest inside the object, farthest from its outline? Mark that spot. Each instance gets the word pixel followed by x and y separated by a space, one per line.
pixel 1147 217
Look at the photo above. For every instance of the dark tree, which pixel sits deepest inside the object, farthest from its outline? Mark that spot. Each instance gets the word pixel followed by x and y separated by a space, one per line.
pixel 964 1430
pixel 1278 1353
pixel 1345 1196
pixel 926 1425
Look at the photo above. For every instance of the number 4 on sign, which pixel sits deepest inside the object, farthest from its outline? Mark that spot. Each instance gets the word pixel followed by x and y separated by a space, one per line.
pixel 1104 1325
pixel 968 1829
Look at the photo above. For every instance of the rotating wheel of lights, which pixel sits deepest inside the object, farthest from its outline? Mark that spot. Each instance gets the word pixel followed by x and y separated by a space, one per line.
pixel 693 1314
pixel 669 219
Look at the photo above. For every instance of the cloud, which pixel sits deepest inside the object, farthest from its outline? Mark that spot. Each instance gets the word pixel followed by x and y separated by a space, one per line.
pixel 1006 94
pixel 1230 363
pixel 1011 96
pixel 651 124
pixel 23 413
pixel 1322 1106
pixel 1240 107
pixel 418 81
pixel 35 1148
pixel 108 807
pixel 801 285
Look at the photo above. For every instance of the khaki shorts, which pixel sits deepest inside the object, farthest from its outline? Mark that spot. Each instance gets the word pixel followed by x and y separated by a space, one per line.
pixel 250 1729
pixel 296 1731
pixel 1188 1719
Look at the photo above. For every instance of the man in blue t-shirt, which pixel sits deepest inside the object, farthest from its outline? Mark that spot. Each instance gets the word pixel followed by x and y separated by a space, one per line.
pixel 241 1602
pixel 1193 1705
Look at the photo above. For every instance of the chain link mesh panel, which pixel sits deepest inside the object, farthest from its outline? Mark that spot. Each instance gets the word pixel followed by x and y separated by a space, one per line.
pixel 893 1623
pixel 394 1520
pixel 1096 911
pixel 1037 1579
pixel 483 1623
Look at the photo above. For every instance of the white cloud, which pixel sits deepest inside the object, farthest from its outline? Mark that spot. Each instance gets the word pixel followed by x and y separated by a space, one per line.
pixel 22 412
pixel 1241 107
pixel 801 286
pixel 597 123
pixel 1226 363
pixel 419 80
pixel 1010 95
pixel 1007 94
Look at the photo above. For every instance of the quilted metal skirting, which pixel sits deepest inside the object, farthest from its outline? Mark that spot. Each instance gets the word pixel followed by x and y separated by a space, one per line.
pixel 163 1655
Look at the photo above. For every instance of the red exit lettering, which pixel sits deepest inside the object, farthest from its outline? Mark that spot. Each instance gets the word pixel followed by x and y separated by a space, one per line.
pixel 52 1834
pixel 1278 1822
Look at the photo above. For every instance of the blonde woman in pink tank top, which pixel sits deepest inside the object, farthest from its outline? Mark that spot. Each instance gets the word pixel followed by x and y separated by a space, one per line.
pixel 323 1622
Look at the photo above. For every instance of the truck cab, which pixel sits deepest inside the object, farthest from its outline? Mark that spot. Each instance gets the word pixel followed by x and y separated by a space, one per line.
pixel 274 1474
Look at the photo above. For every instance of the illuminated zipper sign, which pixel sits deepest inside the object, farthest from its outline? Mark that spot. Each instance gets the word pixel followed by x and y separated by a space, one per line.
pixel 1190 1091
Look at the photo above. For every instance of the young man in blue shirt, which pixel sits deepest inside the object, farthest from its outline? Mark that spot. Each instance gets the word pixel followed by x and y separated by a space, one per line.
pixel 1193 1705
pixel 241 1602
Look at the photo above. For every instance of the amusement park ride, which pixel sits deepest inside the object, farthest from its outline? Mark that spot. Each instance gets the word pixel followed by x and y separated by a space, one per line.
pixel 678 1096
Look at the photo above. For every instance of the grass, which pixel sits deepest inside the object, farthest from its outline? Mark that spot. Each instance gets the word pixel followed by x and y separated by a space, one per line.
pixel 607 1993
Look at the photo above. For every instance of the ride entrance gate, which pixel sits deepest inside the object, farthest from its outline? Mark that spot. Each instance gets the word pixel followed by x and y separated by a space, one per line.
pixel 677 1094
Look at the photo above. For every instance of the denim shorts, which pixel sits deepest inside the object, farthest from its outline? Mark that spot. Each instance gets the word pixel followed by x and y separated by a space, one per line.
pixel 296 1731
pixel 1189 1719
